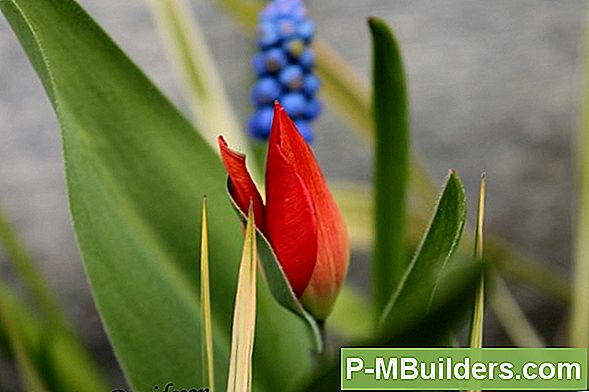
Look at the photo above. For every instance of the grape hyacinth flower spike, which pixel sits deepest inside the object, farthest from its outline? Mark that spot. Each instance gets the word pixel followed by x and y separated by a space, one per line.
pixel 284 66
pixel 299 218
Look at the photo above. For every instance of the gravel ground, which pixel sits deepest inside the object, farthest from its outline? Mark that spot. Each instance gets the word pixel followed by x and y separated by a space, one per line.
pixel 494 86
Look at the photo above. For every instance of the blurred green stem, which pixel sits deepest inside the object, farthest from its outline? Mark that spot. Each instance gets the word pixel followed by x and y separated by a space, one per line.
pixel 512 318
pixel 477 322
pixel 579 330
pixel 201 82
pixel 25 267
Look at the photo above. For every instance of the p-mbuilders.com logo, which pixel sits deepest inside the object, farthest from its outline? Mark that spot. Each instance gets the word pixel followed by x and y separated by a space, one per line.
pixel 463 369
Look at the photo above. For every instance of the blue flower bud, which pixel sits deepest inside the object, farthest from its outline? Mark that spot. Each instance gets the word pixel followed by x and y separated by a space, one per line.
pixel 259 63
pixel 311 85
pixel 295 104
pixel 291 77
pixel 260 123
pixel 306 30
pixel 265 92
pixel 313 109
pixel 275 59
pixel 286 28
pixel 307 59
pixel 267 35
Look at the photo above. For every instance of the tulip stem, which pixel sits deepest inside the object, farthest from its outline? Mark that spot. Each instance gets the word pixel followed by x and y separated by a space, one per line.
pixel 322 358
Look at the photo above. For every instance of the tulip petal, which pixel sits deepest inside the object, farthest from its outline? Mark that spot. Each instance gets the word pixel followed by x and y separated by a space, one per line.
pixel 291 225
pixel 332 237
pixel 243 189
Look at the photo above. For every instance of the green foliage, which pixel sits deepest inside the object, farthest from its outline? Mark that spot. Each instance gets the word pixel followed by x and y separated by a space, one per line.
pixel 579 330
pixel 135 171
pixel 391 161
pixel 48 358
pixel 423 276
pixel 476 326
pixel 244 314
pixel 427 328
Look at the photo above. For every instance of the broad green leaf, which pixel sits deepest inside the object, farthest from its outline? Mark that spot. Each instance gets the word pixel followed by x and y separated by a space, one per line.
pixel 244 314
pixel 579 328
pixel 201 81
pixel 50 355
pixel 391 159
pixel 476 326
pixel 135 170
pixel 475 338
pixel 278 282
pixel 418 286
pixel 207 356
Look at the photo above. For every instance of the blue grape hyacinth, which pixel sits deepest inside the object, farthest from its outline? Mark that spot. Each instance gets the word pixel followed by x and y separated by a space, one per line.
pixel 284 65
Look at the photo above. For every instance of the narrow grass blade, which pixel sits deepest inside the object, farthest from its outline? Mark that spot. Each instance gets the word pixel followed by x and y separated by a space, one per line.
pixel 579 328
pixel 391 159
pixel 205 305
pixel 514 321
pixel 203 86
pixel 475 339
pixel 244 315
pixel 29 373
pixel 29 273
pixel 50 314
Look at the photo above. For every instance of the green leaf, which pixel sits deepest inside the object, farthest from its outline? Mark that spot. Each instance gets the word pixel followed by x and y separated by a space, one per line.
pixel 203 86
pixel 207 353
pixel 511 316
pixel 418 286
pixel 244 314
pixel 446 311
pixel 28 369
pixel 277 280
pixel 579 328
pixel 475 338
pixel 476 326
pixel 49 356
pixel 51 315
pixel 135 170
pixel 391 160
pixel 31 276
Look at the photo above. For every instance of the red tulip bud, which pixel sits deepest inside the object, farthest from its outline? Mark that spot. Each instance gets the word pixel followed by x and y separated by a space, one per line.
pixel 300 218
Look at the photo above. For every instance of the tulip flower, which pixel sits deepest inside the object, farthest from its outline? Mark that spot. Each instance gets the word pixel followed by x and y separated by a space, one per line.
pixel 300 219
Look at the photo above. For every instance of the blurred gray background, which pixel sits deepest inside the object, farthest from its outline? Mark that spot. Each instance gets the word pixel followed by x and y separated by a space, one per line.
pixel 494 86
